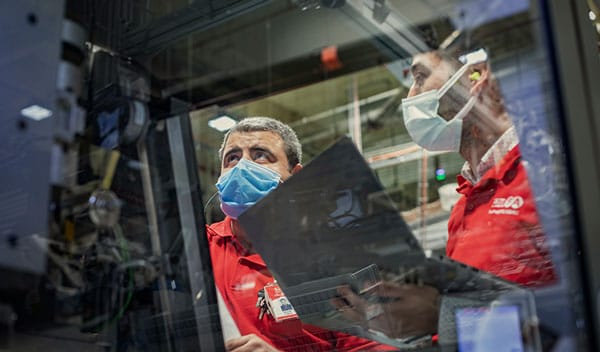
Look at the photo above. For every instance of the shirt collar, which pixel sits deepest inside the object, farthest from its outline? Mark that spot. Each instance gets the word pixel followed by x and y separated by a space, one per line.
pixel 497 151
pixel 226 234
pixel 222 229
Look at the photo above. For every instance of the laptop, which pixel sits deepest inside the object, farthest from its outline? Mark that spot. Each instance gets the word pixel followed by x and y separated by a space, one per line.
pixel 332 224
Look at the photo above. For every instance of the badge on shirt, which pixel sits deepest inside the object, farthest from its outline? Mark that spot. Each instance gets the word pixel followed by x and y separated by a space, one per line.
pixel 279 306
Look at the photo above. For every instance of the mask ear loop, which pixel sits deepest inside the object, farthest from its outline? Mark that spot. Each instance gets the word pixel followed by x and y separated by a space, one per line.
pixel 469 104
pixel 470 59
pixel 467 107
pixel 208 203
pixel 455 77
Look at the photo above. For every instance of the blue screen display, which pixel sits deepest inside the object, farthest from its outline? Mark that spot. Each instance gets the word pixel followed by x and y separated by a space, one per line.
pixel 489 329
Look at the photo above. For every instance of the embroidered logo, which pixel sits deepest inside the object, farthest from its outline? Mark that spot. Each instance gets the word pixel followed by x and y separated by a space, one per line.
pixel 508 206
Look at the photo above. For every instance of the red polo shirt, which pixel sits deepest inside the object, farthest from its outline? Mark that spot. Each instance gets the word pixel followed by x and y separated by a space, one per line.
pixel 239 277
pixel 494 225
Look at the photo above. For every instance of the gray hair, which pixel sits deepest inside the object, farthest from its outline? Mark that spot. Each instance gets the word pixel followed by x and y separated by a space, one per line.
pixel 293 149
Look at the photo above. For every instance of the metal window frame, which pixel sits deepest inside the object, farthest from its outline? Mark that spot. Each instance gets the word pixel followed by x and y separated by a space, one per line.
pixel 576 66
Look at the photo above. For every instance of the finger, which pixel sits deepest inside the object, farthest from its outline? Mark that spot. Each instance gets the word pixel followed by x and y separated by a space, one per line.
pixel 347 311
pixel 237 342
pixel 248 343
pixel 352 298
pixel 253 343
pixel 339 303
pixel 403 290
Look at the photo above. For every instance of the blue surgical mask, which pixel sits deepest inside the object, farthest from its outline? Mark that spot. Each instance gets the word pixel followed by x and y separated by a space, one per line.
pixel 423 122
pixel 244 185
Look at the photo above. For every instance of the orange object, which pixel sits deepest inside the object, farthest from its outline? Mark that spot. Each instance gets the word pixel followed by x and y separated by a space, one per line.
pixel 330 59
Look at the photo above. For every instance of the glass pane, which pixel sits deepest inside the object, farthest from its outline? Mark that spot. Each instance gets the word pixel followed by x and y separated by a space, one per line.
pixel 298 175
pixel 498 226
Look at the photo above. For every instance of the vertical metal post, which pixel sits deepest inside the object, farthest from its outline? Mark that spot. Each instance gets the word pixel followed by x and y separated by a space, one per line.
pixel 423 198
pixel 190 233
pixel 155 238
pixel 577 75
pixel 354 123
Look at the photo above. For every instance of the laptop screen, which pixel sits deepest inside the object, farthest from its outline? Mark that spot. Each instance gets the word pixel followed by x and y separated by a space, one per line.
pixel 495 328
pixel 340 226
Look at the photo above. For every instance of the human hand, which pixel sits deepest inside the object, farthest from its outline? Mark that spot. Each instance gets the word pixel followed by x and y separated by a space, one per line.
pixel 406 309
pixel 249 343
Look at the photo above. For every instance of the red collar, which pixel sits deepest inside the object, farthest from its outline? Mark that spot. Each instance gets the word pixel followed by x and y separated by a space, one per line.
pixel 504 171
pixel 221 229
pixel 223 233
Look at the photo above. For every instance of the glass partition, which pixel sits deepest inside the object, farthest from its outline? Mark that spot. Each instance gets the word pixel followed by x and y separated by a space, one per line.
pixel 360 94
pixel 429 201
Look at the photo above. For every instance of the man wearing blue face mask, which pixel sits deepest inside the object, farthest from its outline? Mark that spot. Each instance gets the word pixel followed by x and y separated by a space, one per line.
pixel 256 155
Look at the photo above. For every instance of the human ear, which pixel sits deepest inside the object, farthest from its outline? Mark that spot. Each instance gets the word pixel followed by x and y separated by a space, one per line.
pixel 479 78
pixel 296 168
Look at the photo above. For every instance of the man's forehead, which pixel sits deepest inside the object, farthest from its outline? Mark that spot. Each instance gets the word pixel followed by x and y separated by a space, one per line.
pixel 427 59
pixel 254 138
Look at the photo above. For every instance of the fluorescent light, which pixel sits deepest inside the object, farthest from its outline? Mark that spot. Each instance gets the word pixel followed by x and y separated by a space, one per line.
pixel 36 112
pixel 222 123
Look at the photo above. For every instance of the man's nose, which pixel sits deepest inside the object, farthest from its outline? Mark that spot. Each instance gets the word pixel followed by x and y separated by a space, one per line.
pixel 413 91
pixel 247 156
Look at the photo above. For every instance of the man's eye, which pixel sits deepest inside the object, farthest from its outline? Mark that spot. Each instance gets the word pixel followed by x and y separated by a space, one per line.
pixel 418 78
pixel 231 158
pixel 259 155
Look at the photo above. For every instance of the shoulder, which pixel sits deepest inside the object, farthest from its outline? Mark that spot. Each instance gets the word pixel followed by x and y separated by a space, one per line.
pixel 217 231
pixel 217 227
pixel 514 174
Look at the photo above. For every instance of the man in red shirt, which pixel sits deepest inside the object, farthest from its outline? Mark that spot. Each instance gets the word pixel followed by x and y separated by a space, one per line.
pixel 258 154
pixel 494 226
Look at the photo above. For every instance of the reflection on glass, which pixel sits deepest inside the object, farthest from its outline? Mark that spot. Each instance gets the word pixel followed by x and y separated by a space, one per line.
pixel 374 241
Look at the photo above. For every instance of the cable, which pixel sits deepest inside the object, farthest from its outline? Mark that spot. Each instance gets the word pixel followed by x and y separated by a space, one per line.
pixel 110 169
pixel 208 202
pixel 58 260
pixel 125 254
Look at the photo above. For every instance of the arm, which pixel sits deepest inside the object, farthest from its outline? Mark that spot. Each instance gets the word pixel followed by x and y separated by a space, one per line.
pixel 410 310
pixel 249 343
